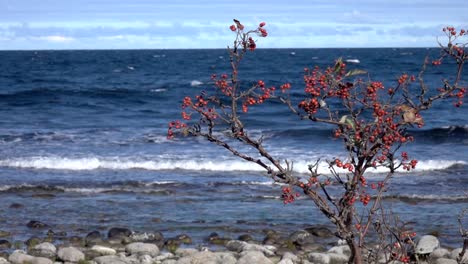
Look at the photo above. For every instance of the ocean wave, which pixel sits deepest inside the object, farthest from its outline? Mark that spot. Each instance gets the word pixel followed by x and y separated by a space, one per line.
pixel 454 132
pixel 42 188
pixel 158 164
pixel 415 198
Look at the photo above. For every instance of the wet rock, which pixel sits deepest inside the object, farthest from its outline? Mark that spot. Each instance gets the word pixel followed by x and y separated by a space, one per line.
pixel 139 248
pixel 33 241
pixel 5 244
pixel 76 241
pixel 301 237
pixel 321 232
pixel 46 250
pixel 16 206
pixel 103 251
pixel 245 237
pixel 36 224
pixel 4 233
pixel 427 244
pixel 253 257
pixel 272 237
pixel 146 237
pixel 215 239
pixel 60 234
pixel 93 238
pixel 119 233
pixel 184 239
pixel 70 254
pixel 235 245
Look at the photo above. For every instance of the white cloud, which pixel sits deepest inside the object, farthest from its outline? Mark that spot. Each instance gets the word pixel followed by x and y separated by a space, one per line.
pixel 55 39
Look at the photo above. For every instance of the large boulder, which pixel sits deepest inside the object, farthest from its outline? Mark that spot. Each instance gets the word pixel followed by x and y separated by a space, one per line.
pixel 93 238
pixel 119 233
pixel 70 254
pixel 427 244
pixel 301 237
pixel 20 257
pixel 139 248
pixel 46 249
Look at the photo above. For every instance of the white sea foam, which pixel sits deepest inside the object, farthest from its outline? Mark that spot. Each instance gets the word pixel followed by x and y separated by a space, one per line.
pixel 353 61
pixel 195 83
pixel 158 163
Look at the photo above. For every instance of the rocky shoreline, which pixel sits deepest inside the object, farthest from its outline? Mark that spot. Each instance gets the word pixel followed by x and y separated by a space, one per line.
pixel 124 246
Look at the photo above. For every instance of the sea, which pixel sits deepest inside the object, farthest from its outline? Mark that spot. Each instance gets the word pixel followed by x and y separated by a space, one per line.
pixel 83 144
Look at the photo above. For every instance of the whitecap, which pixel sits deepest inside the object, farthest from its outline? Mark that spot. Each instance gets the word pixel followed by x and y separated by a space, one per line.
pixel 195 83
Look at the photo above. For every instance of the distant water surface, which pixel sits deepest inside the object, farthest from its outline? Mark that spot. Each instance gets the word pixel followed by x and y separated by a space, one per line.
pixel 83 144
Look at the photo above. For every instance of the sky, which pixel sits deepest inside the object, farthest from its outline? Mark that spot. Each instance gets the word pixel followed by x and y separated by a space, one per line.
pixel 176 24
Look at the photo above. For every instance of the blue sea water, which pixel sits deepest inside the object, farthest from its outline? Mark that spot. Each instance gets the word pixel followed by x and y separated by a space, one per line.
pixel 83 144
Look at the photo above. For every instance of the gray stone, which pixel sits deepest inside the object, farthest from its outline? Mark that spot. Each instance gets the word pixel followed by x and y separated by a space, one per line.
pixel 93 238
pixel 111 259
pixel 291 256
pixel 341 250
pixel 145 259
pixel 321 232
pixel 119 233
pixel 45 249
pixel 456 252
pixel 20 257
pixel 164 256
pixel 319 258
pixel 226 258
pixel 439 253
pixel 5 244
pixel 301 237
pixel 336 258
pixel 253 257
pixel 147 237
pixel 445 261
pixel 41 260
pixel 268 250
pixel 235 245
pixel 286 261
pixel 169 261
pixel 183 252
pixel 70 254
pixel 206 257
pixel 4 261
pixel 140 248
pixel 103 251
pixel 36 224
pixel 427 244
